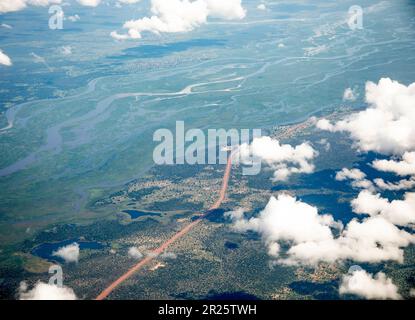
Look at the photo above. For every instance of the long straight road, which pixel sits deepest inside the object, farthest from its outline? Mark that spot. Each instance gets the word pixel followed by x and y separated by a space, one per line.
pixel 104 294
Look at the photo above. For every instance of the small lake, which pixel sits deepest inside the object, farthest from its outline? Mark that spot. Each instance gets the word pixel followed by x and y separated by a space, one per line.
pixel 134 214
pixel 45 250
pixel 231 245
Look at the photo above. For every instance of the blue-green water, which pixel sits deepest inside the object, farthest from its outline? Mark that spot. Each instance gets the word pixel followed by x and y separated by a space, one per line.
pixel 134 214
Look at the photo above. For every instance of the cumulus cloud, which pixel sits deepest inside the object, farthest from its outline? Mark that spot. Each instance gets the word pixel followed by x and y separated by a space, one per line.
pixel 180 16
pixel 7 26
pixel 134 253
pixel 4 59
pixel 402 168
pixel 349 95
pixel 16 5
pixel 324 124
pixel 284 159
pixel 357 177
pixel 386 126
pixel 352 174
pixel 366 285
pixel 228 10
pixel 129 1
pixel 311 237
pixel 399 212
pixel 89 3
pixel 69 253
pixel 403 184
pixel 286 219
pixel 168 256
pixel 358 180
pixel 117 36
pixel 373 240
pixel 261 6
pixel 325 144
pixel 45 291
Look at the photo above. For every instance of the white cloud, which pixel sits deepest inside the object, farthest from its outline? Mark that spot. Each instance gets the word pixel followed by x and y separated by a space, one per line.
pixel 180 16
pixel 117 36
pixel 282 158
pixel 324 124
pixel 7 26
pixel 373 240
pixel 357 176
pixel 44 291
pixel 387 125
pixel 129 1
pixel 286 219
pixel 363 184
pixel 311 239
pixel 12 5
pixel 16 5
pixel 69 253
pixel 349 95
pixel 74 18
pixel 325 144
pixel 168 255
pixel 4 59
pixel 89 3
pixel 352 174
pixel 363 284
pixel 261 6
pixel 403 184
pixel 401 168
pixel 228 10
pixel 134 253
pixel 399 212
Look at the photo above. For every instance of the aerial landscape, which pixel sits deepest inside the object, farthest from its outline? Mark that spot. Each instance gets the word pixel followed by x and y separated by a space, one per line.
pixel 207 150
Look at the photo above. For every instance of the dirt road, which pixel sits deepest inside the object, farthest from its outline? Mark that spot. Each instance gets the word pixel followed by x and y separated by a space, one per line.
pixel 104 294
